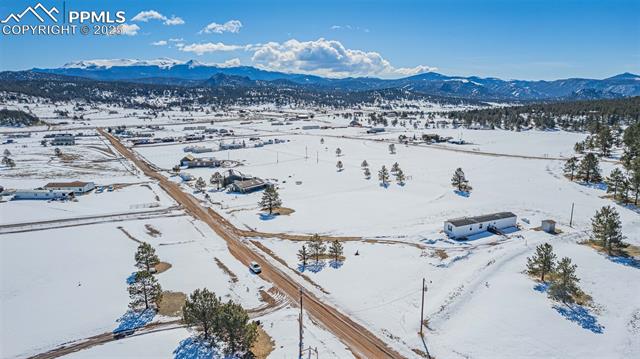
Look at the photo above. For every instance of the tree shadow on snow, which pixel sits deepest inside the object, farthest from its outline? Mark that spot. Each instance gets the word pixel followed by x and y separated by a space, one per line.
pixel 580 315
pixel 314 267
pixel 134 319
pixel 625 261
pixel 196 348
pixel 462 193
pixel 575 313
pixel 335 264
pixel 599 185
pixel 267 216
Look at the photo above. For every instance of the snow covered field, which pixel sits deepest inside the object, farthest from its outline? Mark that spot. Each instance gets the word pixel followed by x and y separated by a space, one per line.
pixel 65 284
pixel 345 203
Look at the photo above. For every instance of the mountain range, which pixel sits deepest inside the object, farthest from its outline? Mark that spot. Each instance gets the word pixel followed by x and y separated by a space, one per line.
pixel 193 73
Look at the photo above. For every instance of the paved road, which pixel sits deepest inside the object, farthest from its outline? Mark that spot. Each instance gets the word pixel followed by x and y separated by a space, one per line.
pixel 360 341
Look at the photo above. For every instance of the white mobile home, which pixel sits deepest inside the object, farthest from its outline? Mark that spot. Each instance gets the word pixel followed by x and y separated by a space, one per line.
pixel 459 228
pixel 42 194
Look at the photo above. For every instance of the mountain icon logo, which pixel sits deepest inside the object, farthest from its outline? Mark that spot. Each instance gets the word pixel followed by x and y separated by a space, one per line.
pixel 35 11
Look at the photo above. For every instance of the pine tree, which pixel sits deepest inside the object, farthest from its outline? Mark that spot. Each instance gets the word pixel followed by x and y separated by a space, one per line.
pixel 201 309
pixel 338 152
pixel 625 187
pixel 200 184
pixel 317 248
pixel 392 149
pixel 339 166
pixel 336 250
pixel 270 199
pixel 634 178
pixel 607 229
pixel 383 176
pixel 570 167
pixel 364 164
pixel 542 262
pixel 216 179
pixel 367 173
pixel 459 181
pixel 589 169
pixel 144 290
pixel 614 181
pixel 605 141
pixel 400 177
pixel 237 330
pixel 579 147
pixel 565 284
pixel 395 167
pixel 303 255
pixel 322 140
pixel 146 258
pixel 57 152
pixel 6 152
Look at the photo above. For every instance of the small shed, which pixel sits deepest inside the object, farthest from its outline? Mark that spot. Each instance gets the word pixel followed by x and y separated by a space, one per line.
pixel 549 226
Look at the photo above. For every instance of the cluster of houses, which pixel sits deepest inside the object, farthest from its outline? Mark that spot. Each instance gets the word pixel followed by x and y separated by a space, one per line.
pixel 55 191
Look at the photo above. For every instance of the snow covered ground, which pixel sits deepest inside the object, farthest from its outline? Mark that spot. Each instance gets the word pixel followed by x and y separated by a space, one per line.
pixel 65 284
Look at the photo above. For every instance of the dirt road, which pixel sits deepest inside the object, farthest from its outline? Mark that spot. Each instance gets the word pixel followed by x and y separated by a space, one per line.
pixel 360 341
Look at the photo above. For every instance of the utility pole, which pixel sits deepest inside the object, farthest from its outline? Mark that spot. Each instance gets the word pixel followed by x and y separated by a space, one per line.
pixel 300 328
pixel 317 157
pixel 422 308
pixel 306 152
pixel 277 157
pixel 571 220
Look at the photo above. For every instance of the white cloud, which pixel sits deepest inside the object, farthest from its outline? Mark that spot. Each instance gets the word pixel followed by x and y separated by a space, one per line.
pixel 232 26
pixel 326 58
pixel 174 21
pixel 147 15
pixel 179 39
pixel 159 43
pixel 208 47
pixel 129 29
pixel 230 63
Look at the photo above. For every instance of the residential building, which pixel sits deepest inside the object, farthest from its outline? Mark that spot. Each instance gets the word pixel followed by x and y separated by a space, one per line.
pixel 461 228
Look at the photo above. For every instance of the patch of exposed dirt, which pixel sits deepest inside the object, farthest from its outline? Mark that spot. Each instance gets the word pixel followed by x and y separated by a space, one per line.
pixel 233 276
pixel 152 231
pixel 171 303
pixel 263 345
pixel 162 267
pixel 283 211
pixel 441 253
pixel 627 250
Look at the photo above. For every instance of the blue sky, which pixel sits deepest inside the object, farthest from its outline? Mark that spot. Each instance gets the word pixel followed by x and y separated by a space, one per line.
pixel 517 39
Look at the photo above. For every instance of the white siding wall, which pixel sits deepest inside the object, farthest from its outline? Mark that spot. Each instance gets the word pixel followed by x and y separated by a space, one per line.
pixel 475 228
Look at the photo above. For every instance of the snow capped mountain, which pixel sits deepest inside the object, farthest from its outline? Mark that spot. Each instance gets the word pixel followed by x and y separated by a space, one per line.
pixel 167 71
pixel 163 62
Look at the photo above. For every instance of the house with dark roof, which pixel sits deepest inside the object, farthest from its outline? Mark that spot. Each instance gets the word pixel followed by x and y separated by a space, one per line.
pixel 75 186
pixel 460 228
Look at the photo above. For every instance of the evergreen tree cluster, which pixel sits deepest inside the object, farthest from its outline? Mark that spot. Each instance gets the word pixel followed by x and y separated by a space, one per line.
pixel 606 229
pixel 561 274
pixel 571 116
pixel 316 250
pixel 220 323
pixel 586 169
